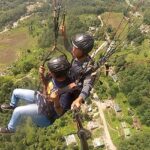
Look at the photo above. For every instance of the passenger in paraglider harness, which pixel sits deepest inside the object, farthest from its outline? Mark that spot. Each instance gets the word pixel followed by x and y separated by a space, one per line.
pixel 45 108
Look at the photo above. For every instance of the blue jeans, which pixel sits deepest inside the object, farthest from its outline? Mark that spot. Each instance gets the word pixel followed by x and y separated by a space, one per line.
pixel 30 110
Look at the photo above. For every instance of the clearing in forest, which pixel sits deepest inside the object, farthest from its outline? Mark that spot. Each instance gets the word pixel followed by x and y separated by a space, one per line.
pixel 12 43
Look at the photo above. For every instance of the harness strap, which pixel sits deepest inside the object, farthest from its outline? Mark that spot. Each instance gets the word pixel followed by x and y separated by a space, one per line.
pixel 71 86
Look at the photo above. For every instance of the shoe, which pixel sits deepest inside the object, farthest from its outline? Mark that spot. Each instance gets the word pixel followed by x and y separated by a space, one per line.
pixel 5 130
pixel 7 107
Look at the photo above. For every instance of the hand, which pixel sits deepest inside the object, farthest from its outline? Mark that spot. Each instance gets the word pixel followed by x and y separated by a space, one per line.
pixel 41 70
pixel 54 97
pixel 77 103
pixel 63 30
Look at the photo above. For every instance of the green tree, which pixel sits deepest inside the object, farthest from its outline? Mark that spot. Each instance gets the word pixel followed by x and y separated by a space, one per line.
pixel 139 141
pixel 147 17
pixel 144 111
pixel 113 90
pixel 6 86
pixel 135 35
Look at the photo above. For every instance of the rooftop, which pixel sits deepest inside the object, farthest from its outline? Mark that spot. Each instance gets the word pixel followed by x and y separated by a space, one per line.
pixel 98 142
pixel 92 125
pixel 70 139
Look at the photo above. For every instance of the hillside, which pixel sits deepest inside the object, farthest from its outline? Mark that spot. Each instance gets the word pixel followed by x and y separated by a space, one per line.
pixel 24 43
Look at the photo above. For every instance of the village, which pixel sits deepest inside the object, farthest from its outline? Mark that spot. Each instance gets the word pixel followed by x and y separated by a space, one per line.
pixel 100 113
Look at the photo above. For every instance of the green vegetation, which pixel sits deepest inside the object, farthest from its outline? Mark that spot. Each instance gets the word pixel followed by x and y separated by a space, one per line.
pixel 135 35
pixel 136 89
pixel 9 13
pixel 28 44
pixel 147 17
pixel 15 43
pixel 137 142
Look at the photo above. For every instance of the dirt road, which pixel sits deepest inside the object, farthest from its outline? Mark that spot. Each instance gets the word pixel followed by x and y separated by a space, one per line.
pixel 99 17
pixel 128 2
pixel 108 140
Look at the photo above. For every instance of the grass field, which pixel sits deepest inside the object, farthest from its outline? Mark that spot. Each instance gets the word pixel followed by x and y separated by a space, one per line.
pixel 141 54
pixel 116 21
pixel 12 43
pixel 136 54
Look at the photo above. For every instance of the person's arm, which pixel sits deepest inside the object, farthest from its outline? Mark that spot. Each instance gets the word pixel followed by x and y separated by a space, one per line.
pixel 65 101
pixel 87 86
pixel 67 44
pixel 41 74
pixel 58 108
pixel 44 78
pixel 85 92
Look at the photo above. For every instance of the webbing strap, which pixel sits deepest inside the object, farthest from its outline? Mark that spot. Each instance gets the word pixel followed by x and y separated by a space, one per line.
pixel 71 86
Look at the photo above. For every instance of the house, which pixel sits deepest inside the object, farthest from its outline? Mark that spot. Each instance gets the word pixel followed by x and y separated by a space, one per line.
pixel 98 142
pixel 117 108
pixel 90 108
pixel 113 74
pixel 123 124
pixel 95 110
pixel 108 104
pixel 92 28
pixel 70 139
pixel 95 96
pixel 137 14
pixel 144 28
pixel 114 77
pixel 92 125
pixel 127 132
pixel 96 115
pixel 136 123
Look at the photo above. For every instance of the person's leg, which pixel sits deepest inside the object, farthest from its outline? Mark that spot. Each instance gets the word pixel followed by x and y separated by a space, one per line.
pixel 20 94
pixel 42 121
pixel 28 110
pixel 23 94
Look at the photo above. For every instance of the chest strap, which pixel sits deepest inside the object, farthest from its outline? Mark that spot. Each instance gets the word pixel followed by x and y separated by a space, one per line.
pixel 70 87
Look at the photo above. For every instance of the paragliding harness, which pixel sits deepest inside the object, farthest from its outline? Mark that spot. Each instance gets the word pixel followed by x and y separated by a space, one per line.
pixel 46 103
pixel 92 67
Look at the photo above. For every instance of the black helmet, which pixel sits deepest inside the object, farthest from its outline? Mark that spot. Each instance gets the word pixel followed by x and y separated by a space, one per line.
pixel 85 42
pixel 59 65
